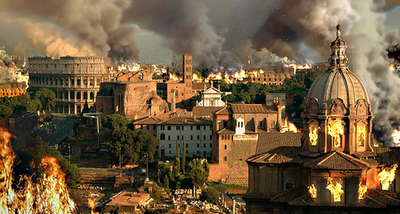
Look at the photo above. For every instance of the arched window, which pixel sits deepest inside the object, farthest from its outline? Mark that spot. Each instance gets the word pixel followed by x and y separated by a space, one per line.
pixel 85 95
pixel 162 136
pixel 78 95
pixel 92 95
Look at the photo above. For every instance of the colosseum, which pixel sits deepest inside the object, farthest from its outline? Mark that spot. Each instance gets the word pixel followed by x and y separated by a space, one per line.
pixel 74 80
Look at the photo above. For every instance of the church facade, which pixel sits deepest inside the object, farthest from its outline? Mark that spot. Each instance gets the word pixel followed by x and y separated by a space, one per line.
pixel 336 168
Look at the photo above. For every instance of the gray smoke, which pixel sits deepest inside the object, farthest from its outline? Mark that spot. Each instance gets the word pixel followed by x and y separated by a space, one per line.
pixel 75 27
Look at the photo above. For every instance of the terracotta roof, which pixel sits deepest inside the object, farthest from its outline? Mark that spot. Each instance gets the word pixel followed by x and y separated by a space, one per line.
pixel 148 121
pixel 384 197
pixel 278 155
pixel 200 85
pixel 290 194
pixel 388 155
pixel 336 160
pixel 250 108
pixel 202 111
pixel 225 110
pixel 185 120
pixel 271 140
pixel 226 131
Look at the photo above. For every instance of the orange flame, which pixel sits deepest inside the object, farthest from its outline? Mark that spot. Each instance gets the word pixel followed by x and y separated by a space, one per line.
pixel 336 130
pixel 289 126
pixel 312 190
pixel 313 134
pixel 396 137
pixel 124 67
pixel 91 205
pixel 173 76
pixel 362 189
pixel 386 176
pixel 304 66
pixel 49 195
pixel 336 189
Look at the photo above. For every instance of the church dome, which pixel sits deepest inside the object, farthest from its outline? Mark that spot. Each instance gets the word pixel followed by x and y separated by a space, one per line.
pixel 338 82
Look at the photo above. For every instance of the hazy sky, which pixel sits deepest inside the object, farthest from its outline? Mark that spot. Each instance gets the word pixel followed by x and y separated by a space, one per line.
pixel 153 50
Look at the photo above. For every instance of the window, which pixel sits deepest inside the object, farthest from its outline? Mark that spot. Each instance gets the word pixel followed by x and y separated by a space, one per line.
pixel 198 137
pixel 198 127
pixel 210 145
pixel 178 128
pixel 204 145
pixel 204 137
pixel 186 151
pixel 169 137
pixel 162 127
pixel 170 145
pixel 183 128
pixel 169 127
pixel 162 136
pixel 191 137
pixel 198 145
pixel 177 137
pixel 191 127
pixel 205 127
pixel 169 152
pixel 147 127
pixel 187 145
pixel 225 158
pixel 210 137
pixel 225 147
pixel 183 137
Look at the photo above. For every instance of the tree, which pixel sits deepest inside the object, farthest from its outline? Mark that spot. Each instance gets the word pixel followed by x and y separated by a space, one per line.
pixel 183 156
pixel 5 111
pixel 210 194
pixel 123 138
pixel 177 149
pixel 133 146
pixel 147 144
pixel 114 121
pixel 37 150
pixel 48 99
pixel 198 172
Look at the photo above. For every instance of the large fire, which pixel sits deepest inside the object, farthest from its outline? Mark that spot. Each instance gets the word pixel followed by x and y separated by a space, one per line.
pixel 336 189
pixel 336 130
pixel 386 176
pixel 289 126
pixel 396 137
pixel 48 195
pixel 312 190
pixel 362 189
pixel 313 134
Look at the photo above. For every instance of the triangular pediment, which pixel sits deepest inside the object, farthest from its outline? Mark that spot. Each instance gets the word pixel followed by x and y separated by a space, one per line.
pixel 337 160
pixel 212 90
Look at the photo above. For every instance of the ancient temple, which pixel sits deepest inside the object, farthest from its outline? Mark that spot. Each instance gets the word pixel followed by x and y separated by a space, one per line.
pixel 336 168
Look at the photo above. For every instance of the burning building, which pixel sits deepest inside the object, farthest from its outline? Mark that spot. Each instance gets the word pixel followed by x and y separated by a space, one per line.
pixel 335 167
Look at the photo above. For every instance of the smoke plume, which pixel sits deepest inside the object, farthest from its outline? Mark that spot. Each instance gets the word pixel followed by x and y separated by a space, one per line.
pixel 75 27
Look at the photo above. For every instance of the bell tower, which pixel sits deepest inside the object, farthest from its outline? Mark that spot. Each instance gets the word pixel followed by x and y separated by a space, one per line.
pixel 338 113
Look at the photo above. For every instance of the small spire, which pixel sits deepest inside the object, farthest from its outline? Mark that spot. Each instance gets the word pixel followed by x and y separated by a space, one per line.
pixel 338 31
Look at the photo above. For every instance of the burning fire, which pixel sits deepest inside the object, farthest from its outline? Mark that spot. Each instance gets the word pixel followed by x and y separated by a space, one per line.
pixel 124 67
pixel 313 134
pixel 312 190
pixel 386 176
pixel 289 126
pixel 396 137
pixel 336 189
pixel 335 129
pixel 91 205
pixel 48 195
pixel 362 189
pixel 361 135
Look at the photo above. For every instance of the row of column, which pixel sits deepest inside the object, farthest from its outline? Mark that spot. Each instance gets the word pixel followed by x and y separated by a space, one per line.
pixel 67 81
pixel 76 95
pixel 69 108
